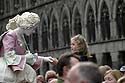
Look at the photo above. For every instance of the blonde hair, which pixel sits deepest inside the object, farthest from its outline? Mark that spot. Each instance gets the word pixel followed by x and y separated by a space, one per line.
pixel 26 21
pixel 82 44
pixel 121 80
pixel 103 69
pixel 116 73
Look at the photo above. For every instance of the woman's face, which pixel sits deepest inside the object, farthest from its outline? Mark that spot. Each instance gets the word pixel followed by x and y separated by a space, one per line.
pixel 109 78
pixel 74 46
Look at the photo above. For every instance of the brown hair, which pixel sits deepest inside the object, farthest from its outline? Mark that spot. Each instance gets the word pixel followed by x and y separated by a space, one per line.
pixel 64 60
pixel 50 74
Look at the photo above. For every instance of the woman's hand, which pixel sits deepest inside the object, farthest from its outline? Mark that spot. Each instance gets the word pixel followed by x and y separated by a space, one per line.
pixel 55 61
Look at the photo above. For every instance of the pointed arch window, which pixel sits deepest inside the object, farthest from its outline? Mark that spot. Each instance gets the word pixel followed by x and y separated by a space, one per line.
pixel 33 2
pixel 106 59
pixel 77 23
pixel 90 25
pixel 55 42
pixel 23 3
pixel 120 19
pixel 44 35
pixel 105 22
pixel 35 41
pixel 1 7
pixel 1 30
pixel 66 32
pixel 7 6
pixel 16 4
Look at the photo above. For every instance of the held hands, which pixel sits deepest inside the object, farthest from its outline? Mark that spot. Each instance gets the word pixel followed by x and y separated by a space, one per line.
pixel 47 59
pixel 53 61
pixel 30 56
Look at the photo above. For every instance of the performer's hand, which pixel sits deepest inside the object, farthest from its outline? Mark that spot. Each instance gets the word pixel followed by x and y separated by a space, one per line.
pixel 55 61
pixel 47 59
pixel 36 54
pixel 28 55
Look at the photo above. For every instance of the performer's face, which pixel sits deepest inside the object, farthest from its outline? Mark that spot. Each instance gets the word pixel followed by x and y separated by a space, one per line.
pixel 29 31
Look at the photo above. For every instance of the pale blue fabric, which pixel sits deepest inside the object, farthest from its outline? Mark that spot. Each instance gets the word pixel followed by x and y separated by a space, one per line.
pixel 11 58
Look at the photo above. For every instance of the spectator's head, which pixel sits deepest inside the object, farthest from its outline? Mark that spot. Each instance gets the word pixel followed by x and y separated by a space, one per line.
pixel 65 62
pixel 84 72
pixel 111 76
pixel 122 69
pixel 103 69
pixel 50 74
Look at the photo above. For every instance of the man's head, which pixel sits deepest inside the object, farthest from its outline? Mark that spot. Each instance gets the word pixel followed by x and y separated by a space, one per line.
pixel 84 72
pixel 122 70
pixel 65 62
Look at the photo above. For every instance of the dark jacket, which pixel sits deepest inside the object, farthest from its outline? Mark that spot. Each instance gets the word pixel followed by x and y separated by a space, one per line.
pixel 82 56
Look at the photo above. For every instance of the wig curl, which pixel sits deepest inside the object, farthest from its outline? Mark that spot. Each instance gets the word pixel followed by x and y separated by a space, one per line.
pixel 26 20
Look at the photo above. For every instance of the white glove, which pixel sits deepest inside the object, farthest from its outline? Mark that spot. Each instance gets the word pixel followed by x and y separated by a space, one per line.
pixel 47 59
pixel 36 54
pixel 29 55
pixel 31 58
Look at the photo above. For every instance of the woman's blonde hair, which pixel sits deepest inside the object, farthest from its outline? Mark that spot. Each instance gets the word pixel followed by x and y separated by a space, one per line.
pixel 82 44
pixel 26 20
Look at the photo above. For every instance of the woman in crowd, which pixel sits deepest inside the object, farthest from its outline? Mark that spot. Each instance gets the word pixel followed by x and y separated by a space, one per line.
pixel 17 62
pixel 79 46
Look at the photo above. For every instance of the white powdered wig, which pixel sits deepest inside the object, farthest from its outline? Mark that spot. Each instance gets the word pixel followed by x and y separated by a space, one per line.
pixel 26 21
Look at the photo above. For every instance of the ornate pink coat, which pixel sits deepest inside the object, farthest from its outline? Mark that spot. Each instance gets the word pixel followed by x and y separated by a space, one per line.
pixel 13 52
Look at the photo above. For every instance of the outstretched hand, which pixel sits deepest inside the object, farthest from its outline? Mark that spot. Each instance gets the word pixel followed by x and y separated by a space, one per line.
pixel 49 59
pixel 28 55
pixel 55 61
